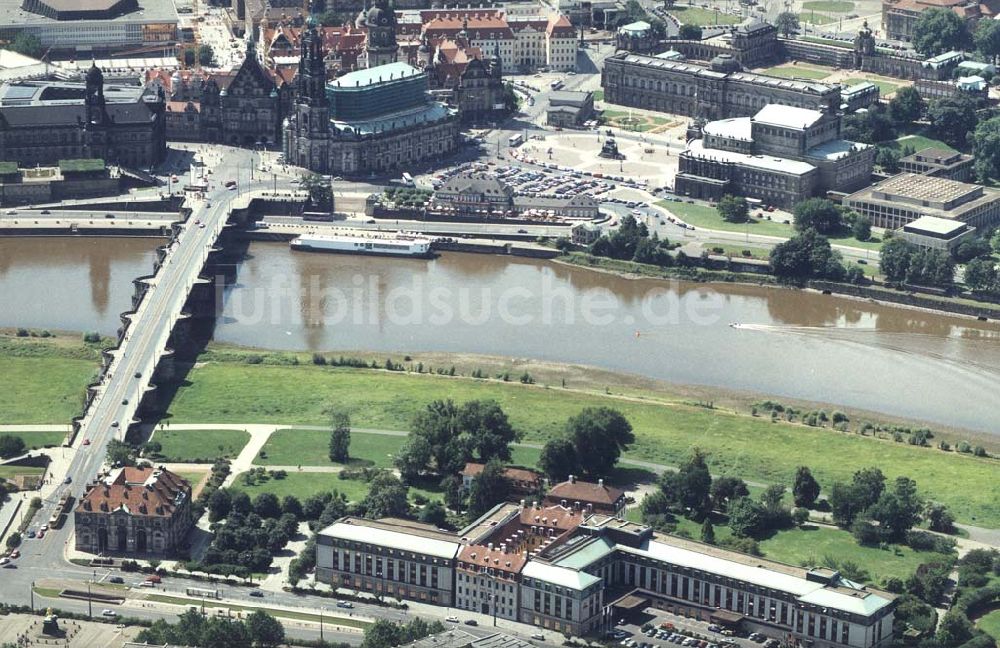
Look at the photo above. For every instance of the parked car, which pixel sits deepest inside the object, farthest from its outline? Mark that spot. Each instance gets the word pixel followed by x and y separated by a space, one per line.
pixel 471 622
pixel 538 636
pixel 86 442
pixel 109 613
pixel 153 578
pixel 256 593
pixel 116 579
pixel 451 619
pixel 345 604
pixel 68 480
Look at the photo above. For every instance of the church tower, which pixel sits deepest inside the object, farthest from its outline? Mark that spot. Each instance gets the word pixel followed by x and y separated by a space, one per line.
pixel 312 108
pixel 94 98
pixel 381 47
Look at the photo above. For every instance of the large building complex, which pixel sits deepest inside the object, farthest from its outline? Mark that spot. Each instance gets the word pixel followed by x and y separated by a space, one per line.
pixel 367 121
pixel 572 571
pixel 91 25
pixel 716 91
pixel 44 122
pixel 134 510
pixel 782 155
pixel 900 16
pixel 903 198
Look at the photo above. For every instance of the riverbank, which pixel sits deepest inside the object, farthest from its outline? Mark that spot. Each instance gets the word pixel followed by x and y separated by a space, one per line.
pixel 879 294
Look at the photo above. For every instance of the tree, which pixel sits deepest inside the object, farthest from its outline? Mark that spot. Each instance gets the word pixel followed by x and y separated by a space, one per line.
pixel 774 513
pixel 899 510
pixel 733 209
pixel 805 489
pixel 887 159
pixel 868 127
pixel 744 517
pixel 240 503
pixel 434 513
pixel 413 457
pixel 219 505
pixel 27 44
pixel 205 54
pixel 787 23
pixel 488 489
pixel 600 435
pixel 13 540
pixel 120 453
pixel 906 106
pixel 807 255
pixel 382 634
pixel 265 631
pixel 939 518
pixel 11 446
pixel 869 483
pixel 726 489
pixel 320 191
pixel 267 505
pixel 386 498
pixel 894 259
pixel 189 56
pixel 938 31
pixel 558 458
pixel 986 144
pixel 689 32
pixel 290 505
pixel 981 274
pixel 970 249
pixel 953 118
pixel 487 424
pixel 861 229
pixel 340 436
pixel 955 628
pixel 987 39
pixel 694 484
pixel 819 214
pixel 844 504
pixel 707 532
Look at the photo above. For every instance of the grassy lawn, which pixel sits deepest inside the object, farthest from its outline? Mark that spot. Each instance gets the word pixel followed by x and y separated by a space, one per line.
pixel 810 545
pixel 35 439
pixel 292 447
pixel 698 16
pixel 640 123
pixel 200 446
pixel 831 6
pixel 990 624
pixel 798 71
pixel 192 476
pixel 9 472
pixel 666 428
pixel 918 142
pixel 827 41
pixel 708 218
pixel 598 95
pixel 814 18
pixel 304 484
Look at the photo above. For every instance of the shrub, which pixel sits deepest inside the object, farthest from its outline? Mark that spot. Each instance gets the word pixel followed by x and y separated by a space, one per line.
pixel 22 332
pixel 254 359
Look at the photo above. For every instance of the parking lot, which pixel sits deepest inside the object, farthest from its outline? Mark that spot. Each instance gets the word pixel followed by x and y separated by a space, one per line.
pixel 654 628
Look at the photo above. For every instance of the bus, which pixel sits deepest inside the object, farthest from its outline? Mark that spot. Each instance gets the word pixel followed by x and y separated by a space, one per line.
pixel 515 140
pixel 408 179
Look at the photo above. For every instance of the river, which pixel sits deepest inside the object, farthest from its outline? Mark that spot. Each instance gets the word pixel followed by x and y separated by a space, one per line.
pixel 788 343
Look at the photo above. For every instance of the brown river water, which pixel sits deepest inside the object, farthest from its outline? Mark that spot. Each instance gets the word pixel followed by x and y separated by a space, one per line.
pixel 903 362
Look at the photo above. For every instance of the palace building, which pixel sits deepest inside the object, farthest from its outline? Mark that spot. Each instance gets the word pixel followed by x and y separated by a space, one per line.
pixel 572 571
pixel 134 511
pixel 42 122
pixel 717 91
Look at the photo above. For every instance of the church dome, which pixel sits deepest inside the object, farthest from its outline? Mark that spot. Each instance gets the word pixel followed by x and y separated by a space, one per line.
pixel 380 17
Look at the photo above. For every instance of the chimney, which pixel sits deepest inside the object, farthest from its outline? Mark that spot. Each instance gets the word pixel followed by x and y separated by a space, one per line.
pixel 522 505
pixel 491 546
pixel 572 479
pixel 562 502
pixel 600 482
pixel 503 547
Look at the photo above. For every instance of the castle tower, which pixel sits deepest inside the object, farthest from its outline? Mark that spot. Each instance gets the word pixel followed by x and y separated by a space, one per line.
pixel 381 47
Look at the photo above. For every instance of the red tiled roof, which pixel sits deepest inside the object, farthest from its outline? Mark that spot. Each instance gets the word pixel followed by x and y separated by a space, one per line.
pixel 473 469
pixel 581 491
pixel 481 555
pixel 148 491
pixel 557 517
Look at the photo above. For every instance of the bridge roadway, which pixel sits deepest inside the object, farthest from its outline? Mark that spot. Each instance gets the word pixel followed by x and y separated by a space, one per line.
pixel 133 363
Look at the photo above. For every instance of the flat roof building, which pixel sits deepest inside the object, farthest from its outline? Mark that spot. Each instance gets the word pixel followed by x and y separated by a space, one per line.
pixel 936 233
pixel 91 25
pixel 940 163
pixel 904 198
